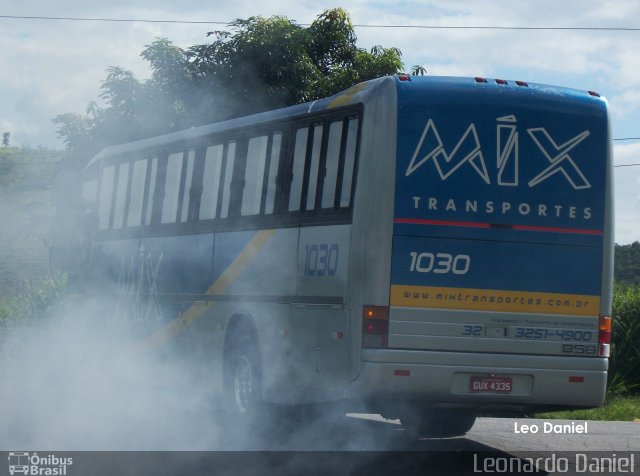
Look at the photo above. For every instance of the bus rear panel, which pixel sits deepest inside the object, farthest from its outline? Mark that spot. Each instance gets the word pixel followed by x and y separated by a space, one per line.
pixel 500 277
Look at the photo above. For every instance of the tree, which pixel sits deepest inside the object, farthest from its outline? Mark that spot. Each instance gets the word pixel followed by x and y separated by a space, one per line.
pixel 5 139
pixel 627 264
pixel 259 64
pixel 418 70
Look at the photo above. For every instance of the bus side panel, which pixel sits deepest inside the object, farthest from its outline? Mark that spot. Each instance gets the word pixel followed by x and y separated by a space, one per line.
pixel 370 265
pixel 174 271
pixel 112 262
pixel 255 264
pixel 320 317
pixel 176 265
pixel 254 277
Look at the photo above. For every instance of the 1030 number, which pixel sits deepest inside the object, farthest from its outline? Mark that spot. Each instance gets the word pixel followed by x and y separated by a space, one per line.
pixel 321 260
pixel 439 263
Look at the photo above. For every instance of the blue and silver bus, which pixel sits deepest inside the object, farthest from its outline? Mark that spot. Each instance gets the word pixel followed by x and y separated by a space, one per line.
pixel 435 248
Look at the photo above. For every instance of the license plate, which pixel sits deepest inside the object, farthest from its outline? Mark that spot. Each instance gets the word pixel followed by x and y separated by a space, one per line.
pixel 490 384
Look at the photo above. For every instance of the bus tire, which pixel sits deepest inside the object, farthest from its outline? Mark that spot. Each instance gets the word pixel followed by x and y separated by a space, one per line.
pixel 243 379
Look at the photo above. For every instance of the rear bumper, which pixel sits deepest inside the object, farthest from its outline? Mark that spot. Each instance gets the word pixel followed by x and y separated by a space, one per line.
pixel 442 379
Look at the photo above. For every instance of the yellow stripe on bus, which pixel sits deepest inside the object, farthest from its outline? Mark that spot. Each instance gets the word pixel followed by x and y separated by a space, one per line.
pixel 226 279
pixel 347 97
pixel 494 300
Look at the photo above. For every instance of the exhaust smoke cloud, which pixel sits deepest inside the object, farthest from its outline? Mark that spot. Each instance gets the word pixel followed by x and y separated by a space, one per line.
pixel 78 381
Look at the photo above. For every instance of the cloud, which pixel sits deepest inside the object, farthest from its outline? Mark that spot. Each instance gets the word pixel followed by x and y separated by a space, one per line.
pixel 625 104
pixel 627 193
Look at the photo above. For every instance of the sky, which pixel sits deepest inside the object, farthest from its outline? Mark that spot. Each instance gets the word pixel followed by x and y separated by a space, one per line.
pixel 52 67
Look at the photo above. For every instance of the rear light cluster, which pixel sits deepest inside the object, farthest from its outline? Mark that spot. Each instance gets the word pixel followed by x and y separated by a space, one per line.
pixel 375 326
pixel 604 336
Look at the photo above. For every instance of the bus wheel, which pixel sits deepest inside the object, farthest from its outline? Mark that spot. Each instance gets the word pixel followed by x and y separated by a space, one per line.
pixel 437 425
pixel 243 383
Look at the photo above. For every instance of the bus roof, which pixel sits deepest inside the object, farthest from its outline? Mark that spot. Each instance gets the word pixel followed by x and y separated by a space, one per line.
pixel 350 96
pixel 356 94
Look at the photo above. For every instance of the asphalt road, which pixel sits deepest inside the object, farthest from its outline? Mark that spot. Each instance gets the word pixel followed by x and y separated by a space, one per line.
pixel 369 444
pixel 366 432
pixel 332 443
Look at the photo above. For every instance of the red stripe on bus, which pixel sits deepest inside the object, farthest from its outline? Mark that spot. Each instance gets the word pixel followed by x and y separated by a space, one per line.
pixel 548 229
pixel 418 221
pixel 470 224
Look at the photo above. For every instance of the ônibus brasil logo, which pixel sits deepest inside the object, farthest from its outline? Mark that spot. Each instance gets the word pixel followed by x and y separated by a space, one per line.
pixel 23 462
pixel 468 151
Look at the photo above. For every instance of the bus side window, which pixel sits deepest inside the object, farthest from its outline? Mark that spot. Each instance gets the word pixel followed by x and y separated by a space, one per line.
pixel 228 176
pixel 121 195
pixel 349 163
pixel 211 182
pixel 172 188
pixel 314 167
pixel 106 194
pixel 332 163
pixel 299 155
pixel 274 162
pixel 186 192
pixel 151 191
pixel 134 217
pixel 254 175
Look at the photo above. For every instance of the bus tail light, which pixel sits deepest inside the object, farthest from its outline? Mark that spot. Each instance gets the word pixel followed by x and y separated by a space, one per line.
pixel 375 326
pixel 604 336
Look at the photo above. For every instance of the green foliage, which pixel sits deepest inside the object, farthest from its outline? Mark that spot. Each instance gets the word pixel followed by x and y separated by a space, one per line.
pixel 418 70
pixel 627 264
pixel 616 408
pixel 259 64
pixel 624 364
pixel 75 130
pixel 31 302
pixel 27 169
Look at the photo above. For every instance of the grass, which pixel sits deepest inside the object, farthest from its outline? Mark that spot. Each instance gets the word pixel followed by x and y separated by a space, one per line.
pixel 619 408
pixel 34 299
pixel 624 364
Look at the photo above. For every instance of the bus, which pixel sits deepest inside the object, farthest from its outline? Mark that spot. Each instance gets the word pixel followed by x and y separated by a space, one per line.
pixel 432 248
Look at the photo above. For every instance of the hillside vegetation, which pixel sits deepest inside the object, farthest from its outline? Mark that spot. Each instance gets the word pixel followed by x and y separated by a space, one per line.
pixel 627 264
pixel 26 214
